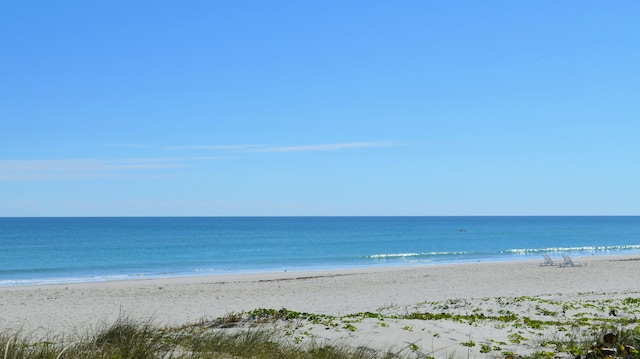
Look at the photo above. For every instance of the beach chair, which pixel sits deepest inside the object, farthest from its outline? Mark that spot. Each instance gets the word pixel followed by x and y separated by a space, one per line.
pixel 547 261
pixel 570 263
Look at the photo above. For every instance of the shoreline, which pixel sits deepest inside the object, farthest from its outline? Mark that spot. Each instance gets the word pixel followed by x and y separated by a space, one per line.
pixel 510 273
pixel 398 265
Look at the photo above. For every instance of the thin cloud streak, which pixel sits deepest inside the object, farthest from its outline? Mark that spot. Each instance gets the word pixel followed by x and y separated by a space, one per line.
pixel 126 145
pixel 21 170
pixel 325 147
pixel 17 170
pixel 301 148
pixel 213 147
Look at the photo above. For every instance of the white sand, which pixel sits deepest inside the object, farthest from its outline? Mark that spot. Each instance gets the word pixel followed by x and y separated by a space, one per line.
pixel 482 286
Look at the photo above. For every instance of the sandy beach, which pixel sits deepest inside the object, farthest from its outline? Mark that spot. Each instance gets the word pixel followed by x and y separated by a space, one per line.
pixel 487 288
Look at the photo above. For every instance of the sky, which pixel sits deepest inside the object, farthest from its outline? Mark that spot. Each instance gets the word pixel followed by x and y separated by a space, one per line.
pixel 319 108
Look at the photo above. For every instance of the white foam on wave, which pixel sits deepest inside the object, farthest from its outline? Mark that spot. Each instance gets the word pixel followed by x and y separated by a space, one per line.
pixel 587 249
pixel 409 255
pixel 67 280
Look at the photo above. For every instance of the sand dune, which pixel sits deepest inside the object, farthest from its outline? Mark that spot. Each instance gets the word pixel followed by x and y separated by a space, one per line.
pixel 521 287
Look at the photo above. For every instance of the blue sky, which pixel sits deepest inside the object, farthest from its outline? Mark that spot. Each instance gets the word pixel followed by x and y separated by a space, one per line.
pixel 236 108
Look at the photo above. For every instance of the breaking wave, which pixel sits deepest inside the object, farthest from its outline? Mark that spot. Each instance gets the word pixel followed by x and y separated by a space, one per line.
pixel 581 249
pixel 413 255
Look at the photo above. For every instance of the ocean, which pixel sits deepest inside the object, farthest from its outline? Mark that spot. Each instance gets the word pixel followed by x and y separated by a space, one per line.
pixel 69 250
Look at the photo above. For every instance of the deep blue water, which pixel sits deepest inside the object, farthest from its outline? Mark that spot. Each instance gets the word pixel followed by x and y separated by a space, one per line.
pixel 60 250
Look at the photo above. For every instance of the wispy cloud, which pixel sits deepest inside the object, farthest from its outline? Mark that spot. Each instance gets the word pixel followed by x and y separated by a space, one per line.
pixel 296 148
pixel 215 147
pixel 36 169
pixel 126 145
pixel 324 147
pixel 16 170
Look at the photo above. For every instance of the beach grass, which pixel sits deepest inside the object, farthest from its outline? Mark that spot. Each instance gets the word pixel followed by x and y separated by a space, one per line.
pixel 533 327
pixel 131 339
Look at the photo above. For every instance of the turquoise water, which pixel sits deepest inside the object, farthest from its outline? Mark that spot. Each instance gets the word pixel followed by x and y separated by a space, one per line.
pixel 65 250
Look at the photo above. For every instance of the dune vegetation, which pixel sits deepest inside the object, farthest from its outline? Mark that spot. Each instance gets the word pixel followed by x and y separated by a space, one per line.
pixel 570 330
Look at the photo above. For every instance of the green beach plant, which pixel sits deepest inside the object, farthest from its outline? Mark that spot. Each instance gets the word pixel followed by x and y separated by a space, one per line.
pixel 130 339
pixel 543 328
